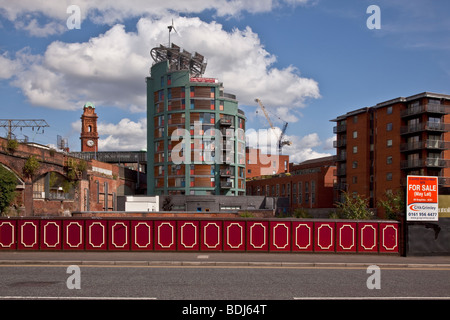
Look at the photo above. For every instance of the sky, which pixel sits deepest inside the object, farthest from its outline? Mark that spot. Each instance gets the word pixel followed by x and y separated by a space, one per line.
pixel 308 61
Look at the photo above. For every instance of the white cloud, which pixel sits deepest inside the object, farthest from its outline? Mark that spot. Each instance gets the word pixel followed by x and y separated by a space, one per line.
pixel 301 148
pixel 35 29
pixel 110 69
pixel 124 136
pixel 8 67
pixel 113 11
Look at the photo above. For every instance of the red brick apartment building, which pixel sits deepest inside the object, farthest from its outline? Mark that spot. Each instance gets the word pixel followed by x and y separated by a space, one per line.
pixel 377 147
pixel 306 185
pixel 259 164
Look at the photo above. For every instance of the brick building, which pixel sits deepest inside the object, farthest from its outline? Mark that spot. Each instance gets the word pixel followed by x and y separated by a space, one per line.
pixel 377 147
pixel 258 164
pixel 306 185
pixel 61 183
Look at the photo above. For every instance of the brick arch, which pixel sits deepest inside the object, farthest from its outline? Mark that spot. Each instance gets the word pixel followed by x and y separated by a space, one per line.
pixel 18 176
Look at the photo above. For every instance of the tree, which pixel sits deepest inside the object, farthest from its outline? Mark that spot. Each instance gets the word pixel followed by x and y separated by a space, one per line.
pixel 393 204
pixel 167 203
pixel 8 184
pixel 31 166
pixel 354 206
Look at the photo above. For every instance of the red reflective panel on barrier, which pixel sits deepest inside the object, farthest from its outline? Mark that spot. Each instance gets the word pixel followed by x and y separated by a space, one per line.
pixel 165 235
pixel 234 235
pixel 51 232
pixel 211 235
pixel 346 236
pixel 324 236
pixel 28 234
pixel 8 235
pixel 388 237
pixel 302 235
pixel 96 234
pixel 73 234
pixel 188 235
pixel 119 235
pixel 142 235
pixel 280 236
pixel 367 234
pixel 257 235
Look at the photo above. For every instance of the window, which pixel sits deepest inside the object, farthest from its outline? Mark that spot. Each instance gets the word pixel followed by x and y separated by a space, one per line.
pixel 389 110
pixel 300 193
pixel 389 126
pixel 389 143
pixel 355 179
pixel 389 160
pixel 389 176
pixel 355 119
pixel 355 149
pixel 355 134
pixel 355 164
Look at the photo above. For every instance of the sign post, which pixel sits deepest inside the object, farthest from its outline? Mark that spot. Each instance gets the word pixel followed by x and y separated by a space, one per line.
pixel 422 198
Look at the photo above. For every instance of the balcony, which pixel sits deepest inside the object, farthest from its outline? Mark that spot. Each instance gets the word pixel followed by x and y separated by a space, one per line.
pixel 444 181
pixel 225 172
pixel 436 144
pixel 339 143
pixel 340 128
pixel 225 184
pixel 429 162
pixel 428 126
pixel 426 108
pixel 226 122
pixel 341 171
pixel 428 144
pixel 410 146
pixel 341 157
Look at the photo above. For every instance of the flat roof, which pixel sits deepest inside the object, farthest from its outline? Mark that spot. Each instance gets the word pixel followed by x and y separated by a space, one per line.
pixel 393 101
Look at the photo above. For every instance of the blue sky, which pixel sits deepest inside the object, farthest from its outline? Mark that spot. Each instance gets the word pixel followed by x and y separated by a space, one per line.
pixel 307 60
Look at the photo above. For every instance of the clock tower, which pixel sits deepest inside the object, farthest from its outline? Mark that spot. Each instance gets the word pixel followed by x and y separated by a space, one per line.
pixel 89 134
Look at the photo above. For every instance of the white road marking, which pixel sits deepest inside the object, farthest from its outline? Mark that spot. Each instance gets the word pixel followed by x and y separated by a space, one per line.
pixel 73 298
pixel 371 298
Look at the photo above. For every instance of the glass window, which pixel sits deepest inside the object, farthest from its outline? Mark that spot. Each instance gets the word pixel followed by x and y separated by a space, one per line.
pixel 389 110
pixel 389 126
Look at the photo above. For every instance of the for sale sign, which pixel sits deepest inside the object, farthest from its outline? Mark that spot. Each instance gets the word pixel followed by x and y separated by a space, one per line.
pixel 422 198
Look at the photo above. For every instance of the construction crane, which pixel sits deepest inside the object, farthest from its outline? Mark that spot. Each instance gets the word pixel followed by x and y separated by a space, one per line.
pixel 281 142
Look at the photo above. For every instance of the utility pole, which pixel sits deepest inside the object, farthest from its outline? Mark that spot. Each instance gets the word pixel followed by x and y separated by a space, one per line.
pixel 13 124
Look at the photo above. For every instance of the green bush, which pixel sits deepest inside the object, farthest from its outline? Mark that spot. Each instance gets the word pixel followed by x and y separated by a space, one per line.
pixel 8 183
pixel 354 206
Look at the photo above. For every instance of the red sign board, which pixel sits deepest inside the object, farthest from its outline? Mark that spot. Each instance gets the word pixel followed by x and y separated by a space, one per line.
pixel 422 198
pixel 204 80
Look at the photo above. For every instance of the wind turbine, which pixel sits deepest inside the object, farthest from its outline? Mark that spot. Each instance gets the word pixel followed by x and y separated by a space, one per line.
pixel 171 27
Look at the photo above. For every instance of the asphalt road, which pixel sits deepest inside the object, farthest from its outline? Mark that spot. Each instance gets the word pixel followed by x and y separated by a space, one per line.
pixel 259 282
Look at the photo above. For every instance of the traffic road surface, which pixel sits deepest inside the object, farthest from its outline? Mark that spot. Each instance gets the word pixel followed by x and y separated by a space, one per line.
pixel 104 280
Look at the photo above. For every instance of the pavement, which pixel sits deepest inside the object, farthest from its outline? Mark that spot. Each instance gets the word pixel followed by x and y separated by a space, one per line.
pixel 241 259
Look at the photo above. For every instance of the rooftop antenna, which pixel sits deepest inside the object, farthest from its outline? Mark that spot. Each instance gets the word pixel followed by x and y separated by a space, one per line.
pixel 171 27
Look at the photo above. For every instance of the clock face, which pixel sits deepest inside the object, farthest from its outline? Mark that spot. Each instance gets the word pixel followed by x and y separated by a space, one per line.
pixel 90 143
